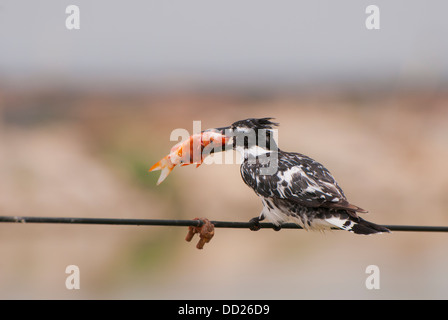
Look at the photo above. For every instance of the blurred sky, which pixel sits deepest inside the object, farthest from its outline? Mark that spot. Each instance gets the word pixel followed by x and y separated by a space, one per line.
pixel 201 43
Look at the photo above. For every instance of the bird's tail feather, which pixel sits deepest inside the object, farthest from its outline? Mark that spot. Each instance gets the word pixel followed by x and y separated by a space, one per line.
pixel 358 225
pixel 366 227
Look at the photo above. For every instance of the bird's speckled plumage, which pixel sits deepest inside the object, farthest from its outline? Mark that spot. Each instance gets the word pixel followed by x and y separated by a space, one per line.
pixel 301 190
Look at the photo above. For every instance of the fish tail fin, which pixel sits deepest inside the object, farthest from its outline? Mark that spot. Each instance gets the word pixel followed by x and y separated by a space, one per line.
pixel 165 172
pixel 166 166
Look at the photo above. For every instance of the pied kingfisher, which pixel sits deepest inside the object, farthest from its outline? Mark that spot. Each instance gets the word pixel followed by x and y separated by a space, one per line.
pixel 298 189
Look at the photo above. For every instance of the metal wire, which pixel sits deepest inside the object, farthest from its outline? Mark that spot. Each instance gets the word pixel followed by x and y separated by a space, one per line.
pixel 187 223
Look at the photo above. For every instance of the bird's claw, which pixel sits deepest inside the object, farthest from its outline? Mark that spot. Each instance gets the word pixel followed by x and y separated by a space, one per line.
pixel 255 224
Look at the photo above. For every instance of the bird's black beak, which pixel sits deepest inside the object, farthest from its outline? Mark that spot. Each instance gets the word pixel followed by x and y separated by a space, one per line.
pixel 225 131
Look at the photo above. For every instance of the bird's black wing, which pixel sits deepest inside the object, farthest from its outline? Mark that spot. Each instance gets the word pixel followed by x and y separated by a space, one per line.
pixel 299 179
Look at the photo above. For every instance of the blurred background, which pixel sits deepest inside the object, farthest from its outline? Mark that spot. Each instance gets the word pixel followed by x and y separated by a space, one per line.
pixel 85 113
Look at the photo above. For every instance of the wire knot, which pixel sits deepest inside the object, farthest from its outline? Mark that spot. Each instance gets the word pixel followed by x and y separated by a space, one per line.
pixel 206 232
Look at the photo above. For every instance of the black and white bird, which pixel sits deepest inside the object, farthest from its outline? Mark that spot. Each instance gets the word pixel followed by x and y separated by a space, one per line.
pixel 299 189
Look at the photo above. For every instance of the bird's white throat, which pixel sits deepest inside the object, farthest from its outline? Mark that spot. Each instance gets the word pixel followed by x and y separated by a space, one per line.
pixel 253 151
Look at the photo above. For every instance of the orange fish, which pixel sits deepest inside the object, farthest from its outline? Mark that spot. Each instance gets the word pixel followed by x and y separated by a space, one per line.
pixel 188 152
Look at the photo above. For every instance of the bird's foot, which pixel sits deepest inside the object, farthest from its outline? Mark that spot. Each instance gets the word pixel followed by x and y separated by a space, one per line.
pixel 277 228
pixel 255 224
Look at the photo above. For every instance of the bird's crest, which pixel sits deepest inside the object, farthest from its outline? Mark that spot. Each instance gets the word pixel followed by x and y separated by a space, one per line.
pixel 254 123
